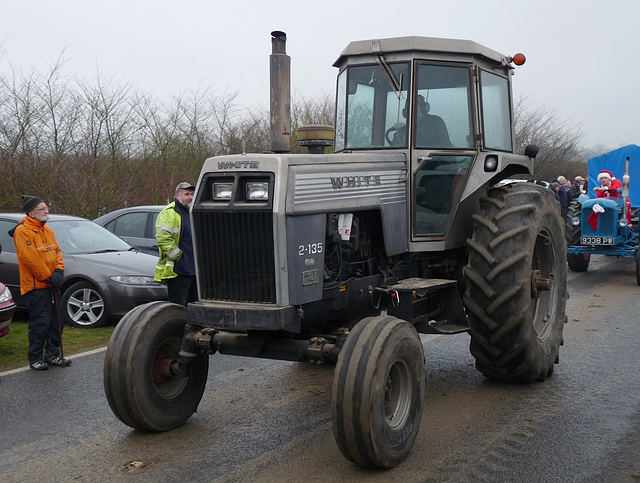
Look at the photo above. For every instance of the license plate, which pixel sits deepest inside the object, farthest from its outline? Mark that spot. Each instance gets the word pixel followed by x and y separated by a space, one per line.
pixel 596 240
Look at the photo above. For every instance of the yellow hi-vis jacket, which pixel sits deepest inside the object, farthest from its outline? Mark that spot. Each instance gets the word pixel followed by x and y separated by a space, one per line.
pixel 168 226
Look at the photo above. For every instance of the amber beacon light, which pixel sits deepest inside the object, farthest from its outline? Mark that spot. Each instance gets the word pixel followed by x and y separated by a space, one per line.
pixel 519 59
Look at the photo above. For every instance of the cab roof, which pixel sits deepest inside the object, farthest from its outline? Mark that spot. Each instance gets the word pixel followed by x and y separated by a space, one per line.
pixel 421 44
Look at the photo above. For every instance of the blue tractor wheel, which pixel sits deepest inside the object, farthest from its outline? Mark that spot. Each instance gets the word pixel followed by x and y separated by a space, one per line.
pixel 576 262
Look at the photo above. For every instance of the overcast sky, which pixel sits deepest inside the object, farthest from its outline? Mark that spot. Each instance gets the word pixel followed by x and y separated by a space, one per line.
pixel 582 56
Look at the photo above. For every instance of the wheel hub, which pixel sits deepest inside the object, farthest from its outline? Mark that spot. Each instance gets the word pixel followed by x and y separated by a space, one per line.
pixel 539 283
pixel 161 367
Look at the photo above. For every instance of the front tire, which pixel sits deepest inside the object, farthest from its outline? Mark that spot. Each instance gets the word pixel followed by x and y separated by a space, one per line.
pixel 579 262
pixel 140 389
pixel 378 392
pixel 516 284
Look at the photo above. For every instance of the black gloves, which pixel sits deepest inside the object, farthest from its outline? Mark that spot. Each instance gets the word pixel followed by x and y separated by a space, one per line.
pixel 56 278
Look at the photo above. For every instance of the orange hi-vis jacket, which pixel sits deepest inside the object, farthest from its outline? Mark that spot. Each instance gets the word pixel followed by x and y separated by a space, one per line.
pixel 38 254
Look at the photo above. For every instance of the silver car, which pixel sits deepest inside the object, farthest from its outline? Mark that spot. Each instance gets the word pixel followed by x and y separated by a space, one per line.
pixel 135 224
pixel 104 276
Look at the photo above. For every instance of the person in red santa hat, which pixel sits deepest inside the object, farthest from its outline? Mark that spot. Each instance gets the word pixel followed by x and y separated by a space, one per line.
pixel 609 189
pixel 610 186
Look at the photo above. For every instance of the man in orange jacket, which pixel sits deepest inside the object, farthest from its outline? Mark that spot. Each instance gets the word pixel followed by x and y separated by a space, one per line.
pixel 41 272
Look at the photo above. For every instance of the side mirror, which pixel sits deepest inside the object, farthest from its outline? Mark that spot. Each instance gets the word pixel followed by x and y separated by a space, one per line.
pixel 531 151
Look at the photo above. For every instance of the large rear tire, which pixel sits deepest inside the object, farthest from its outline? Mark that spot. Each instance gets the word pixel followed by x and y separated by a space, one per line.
pixel 378 392
pixel 580 262
pixel 516 284
pixel 140 389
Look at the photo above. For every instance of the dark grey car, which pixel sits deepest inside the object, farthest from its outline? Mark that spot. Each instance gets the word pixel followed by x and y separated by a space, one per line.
pixel 136 225
pixel 104 276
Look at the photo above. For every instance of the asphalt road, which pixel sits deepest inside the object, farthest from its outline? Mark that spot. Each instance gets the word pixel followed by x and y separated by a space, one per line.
pixel 263 420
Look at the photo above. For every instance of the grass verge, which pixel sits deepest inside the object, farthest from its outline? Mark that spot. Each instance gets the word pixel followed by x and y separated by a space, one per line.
pixel 14 345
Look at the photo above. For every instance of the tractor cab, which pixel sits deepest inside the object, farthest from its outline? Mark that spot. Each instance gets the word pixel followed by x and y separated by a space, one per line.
pixel 446 104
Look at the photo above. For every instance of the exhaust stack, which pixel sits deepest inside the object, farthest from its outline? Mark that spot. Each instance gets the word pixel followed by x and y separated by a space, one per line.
pixel 280 83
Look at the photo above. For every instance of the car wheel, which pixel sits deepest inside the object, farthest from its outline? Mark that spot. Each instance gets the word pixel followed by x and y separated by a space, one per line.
pixel 83 306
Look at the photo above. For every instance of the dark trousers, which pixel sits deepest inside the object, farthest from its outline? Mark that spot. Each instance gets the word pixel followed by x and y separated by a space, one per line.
pixel 43 325
pixel 183 289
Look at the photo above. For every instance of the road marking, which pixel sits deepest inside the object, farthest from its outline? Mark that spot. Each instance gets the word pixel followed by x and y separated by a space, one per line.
pixel 75 356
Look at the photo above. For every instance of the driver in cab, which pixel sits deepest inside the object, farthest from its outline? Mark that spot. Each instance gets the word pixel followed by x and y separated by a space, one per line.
pixel 431 130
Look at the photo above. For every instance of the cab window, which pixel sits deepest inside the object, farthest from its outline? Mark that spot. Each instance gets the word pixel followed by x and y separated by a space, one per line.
pixel 370 107
pixel 438 186
pixel 443 107
pixel 496 111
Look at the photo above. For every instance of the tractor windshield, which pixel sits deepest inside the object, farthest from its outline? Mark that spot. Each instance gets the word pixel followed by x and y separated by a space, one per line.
pixel 370 106
pixel 374 107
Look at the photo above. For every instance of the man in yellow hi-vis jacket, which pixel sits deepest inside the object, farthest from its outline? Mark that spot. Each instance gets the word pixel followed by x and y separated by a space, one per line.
pixel 176 265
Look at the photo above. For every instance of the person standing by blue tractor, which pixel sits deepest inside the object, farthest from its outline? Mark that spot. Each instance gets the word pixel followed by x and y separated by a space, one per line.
pixel 562 195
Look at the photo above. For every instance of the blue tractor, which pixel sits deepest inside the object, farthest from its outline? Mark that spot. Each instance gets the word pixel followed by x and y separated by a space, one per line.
pixel 606 225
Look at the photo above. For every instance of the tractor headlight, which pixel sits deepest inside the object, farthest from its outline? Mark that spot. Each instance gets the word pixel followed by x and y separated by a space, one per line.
pixel 575 221
pixel 257 190
pixel 222 191
pixel 623 222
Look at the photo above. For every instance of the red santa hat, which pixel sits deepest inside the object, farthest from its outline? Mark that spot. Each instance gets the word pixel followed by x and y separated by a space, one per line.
pixel 604 174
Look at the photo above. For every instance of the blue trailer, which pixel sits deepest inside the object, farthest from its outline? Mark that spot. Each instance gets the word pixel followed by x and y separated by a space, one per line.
pixel 607 226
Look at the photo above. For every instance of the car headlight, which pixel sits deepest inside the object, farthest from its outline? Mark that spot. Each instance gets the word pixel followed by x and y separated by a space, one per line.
pixel 134 280
pixel 575 221
pixel 623 222
pixel 257 191
pixel 5 296
pixel 222 191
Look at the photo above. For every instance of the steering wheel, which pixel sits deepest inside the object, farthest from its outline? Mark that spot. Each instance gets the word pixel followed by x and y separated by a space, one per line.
pixel 395 128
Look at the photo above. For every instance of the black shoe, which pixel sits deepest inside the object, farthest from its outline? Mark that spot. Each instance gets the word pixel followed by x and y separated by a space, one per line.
pixel 57 361
pixel 39 366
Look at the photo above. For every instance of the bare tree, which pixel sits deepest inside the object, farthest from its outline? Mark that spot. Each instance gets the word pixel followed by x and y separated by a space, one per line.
pixel 559 141
pixel 59 110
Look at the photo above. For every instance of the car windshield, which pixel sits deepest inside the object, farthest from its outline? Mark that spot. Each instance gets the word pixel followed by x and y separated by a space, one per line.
pixel 84 236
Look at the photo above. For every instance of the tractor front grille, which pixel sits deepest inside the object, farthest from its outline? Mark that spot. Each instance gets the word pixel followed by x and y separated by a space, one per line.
pixel 235 256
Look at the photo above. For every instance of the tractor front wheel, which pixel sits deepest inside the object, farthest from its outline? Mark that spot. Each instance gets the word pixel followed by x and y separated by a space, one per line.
pixel 378 392
pixel 140 387
pixel 572 232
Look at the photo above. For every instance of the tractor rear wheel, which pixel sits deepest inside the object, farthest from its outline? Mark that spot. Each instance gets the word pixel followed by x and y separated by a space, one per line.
pixel 516 284
pixel 580 262
pixel 378 392
pixel 140 388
